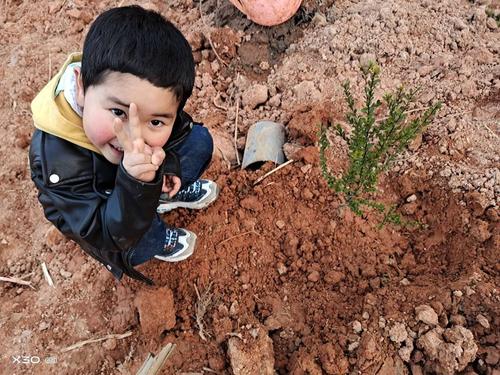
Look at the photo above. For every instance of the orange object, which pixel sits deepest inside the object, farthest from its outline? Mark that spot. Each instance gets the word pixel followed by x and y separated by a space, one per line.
pixel 267 12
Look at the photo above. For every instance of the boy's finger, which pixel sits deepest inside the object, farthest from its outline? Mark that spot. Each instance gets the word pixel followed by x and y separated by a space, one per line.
pixel 158 156
pixel 121 134
pixel 176 181
pixel 138 146
pixel 134 122
pixel 140 169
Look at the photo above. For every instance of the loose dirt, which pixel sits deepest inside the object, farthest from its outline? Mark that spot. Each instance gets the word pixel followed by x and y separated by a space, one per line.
pixel 298 283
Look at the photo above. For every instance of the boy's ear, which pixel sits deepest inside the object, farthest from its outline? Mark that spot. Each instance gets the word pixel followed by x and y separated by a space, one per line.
pixel 80 94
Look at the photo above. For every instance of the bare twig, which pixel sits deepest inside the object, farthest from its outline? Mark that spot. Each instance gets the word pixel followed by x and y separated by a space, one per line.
pixel 491 131
pixel 273 171
pixel 209 37
pixel 236 131
pixel 239 235
pixel 50 67
pixel 217 105
pixel 16 281
pixel 46 274
pixel 201 308
pixel 61 6
pixel 458 113
pixel 208 369
pixel 235 334
pixel 224 157
pixel 406 113
pixel 85 342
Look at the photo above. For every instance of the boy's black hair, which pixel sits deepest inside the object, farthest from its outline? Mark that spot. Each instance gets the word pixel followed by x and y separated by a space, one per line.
pixel 141 42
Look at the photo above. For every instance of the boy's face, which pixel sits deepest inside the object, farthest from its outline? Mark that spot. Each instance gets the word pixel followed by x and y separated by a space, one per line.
pixel 102 103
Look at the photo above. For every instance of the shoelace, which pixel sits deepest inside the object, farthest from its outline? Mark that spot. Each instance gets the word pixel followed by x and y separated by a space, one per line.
pixel 171 237
pixel 190 193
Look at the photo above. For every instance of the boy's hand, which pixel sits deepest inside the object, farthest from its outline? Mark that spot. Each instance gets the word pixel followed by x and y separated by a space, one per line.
pixel 171 185
pixel 139 159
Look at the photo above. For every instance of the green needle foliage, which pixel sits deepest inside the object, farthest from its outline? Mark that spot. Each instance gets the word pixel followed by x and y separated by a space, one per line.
pixel 373 144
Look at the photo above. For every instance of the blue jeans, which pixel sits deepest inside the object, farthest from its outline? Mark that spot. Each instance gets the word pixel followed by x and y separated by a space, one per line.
pixel 194 153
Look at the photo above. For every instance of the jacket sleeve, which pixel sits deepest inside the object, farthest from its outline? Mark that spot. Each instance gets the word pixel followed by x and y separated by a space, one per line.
pixel 106 223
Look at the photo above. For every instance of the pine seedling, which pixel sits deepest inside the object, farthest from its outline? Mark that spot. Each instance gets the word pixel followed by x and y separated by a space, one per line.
pixel 373 144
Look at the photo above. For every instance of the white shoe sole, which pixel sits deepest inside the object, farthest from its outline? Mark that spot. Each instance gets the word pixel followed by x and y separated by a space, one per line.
pixel 190 241
pixel 210 197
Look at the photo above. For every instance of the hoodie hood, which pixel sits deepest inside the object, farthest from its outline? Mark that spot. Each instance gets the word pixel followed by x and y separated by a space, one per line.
pixel 53 114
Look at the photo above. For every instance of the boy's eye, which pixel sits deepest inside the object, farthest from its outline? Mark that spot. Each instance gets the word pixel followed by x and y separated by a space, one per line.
pixel 117 112
pixel 156 123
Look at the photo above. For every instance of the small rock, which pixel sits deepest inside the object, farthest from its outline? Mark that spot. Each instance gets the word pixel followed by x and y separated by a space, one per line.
pixel 426 314
pixel 480 231
pixel 458 320
pixel 458 293
pixel 353 346
pixel 478 203
pixel 109 344
pixel 282 268
pixel 459 24
pixel 492 356
pixel 307 194
pixel 381 322
pixel 481 319
pixel 313 276
pixel 365 315
pixel 280 224
pixel 306 91
pixel 234 309
pixel 319 19
pixel 291 150
pixel 405 282
pixel 43 326
pixel 255 95
pixel 356 327
pixel 405 353
pixel 411 198
pixel 252 203
pixel 65 274
pixel 398 333
pixel 491 23
pixel 334 277
pixel 252 357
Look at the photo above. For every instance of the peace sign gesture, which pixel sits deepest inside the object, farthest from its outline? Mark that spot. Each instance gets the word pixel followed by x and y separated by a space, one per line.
pixel 139 159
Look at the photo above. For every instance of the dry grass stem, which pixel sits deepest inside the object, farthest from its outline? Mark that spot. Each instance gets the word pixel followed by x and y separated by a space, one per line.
pixel 46 274
pixel 236 131
pixel 85 342
pixel 239 235
pixel 152 365
pixel 203 302
pixel 259 180
pixel 208 369
pixel 406 113
pixel 16 281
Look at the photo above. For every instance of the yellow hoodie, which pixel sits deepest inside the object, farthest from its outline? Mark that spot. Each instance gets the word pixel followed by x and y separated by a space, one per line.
pixel 54 115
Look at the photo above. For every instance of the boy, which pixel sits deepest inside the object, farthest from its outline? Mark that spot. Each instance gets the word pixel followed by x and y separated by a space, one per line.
pixel 111 137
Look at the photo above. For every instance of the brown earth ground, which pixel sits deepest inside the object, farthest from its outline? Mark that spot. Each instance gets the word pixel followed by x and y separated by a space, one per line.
pixel 282 259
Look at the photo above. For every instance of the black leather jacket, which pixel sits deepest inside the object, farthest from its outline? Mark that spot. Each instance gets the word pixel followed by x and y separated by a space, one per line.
pixel 98 204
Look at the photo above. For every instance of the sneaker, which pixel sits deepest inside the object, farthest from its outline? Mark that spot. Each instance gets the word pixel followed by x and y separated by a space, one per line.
pixel 196 196
pixel 179 245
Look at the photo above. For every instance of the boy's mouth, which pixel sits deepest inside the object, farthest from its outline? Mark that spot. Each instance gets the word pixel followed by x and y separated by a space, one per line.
pixel 117 148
